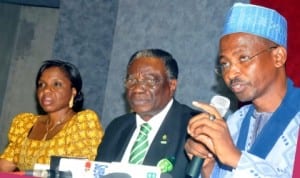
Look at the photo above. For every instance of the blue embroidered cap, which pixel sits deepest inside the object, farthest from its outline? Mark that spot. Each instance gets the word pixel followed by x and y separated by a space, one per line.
pixel 256 20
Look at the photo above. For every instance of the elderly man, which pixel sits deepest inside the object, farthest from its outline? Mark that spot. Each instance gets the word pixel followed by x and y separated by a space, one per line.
pixel 150 84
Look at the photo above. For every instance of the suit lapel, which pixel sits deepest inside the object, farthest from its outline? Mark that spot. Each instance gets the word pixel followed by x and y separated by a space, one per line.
pixel 157 149
pixel 161 145
pixel 125 136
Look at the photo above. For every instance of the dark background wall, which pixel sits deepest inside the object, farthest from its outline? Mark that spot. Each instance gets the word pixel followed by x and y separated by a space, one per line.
pixel 187 29
pixel 39 3
pixel 26 38
pixel 7 35
pixel 85 36
pixel 99 36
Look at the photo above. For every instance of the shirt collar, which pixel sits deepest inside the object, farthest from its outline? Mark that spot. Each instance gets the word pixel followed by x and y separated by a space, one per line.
pixel 157 119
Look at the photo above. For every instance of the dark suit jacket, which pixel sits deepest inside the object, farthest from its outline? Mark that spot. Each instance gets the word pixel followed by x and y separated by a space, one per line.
pixel 118 133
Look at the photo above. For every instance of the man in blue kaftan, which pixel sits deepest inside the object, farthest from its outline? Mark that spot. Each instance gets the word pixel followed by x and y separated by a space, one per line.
pixel 259 139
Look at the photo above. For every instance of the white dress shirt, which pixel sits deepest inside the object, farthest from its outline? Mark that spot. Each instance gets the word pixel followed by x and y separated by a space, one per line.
pixel 154 122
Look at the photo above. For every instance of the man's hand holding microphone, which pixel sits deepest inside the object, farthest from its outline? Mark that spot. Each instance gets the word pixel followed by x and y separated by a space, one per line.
pixel 210 138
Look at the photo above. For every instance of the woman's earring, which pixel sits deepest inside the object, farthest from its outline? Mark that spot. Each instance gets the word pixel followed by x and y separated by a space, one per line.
pixel 71 102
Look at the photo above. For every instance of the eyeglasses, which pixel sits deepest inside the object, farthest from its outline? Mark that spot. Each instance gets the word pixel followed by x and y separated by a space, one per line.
pixel 147 82
pixel 224 67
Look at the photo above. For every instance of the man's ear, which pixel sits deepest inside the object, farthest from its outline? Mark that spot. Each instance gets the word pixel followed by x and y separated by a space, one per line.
pixel 173 85
pixel 279 56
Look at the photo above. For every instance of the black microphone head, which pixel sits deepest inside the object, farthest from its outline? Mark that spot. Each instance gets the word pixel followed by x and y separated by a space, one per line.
pixel 59 174
pixel 117 175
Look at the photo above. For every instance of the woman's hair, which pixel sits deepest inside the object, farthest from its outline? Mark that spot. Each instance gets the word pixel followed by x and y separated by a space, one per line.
pixel 72 73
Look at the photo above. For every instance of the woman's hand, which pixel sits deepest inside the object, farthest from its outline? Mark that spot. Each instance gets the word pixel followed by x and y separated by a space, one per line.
pixel 7 166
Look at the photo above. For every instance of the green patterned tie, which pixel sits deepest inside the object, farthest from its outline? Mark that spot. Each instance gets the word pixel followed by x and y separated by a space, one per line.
pixel 139 149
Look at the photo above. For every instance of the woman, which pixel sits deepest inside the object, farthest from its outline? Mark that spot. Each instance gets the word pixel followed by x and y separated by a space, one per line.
pixel 65 129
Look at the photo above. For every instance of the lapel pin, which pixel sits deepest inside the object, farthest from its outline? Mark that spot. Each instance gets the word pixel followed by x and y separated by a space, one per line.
pixel 164 139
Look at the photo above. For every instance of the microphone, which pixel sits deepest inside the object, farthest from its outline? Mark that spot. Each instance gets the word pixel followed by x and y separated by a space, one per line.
pixel 221 103
pixel 116 175
pixel 46 173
